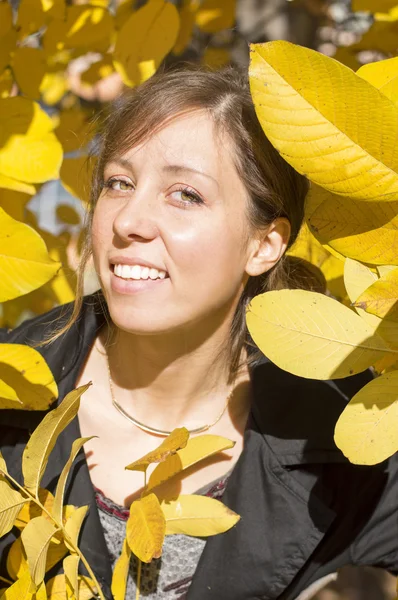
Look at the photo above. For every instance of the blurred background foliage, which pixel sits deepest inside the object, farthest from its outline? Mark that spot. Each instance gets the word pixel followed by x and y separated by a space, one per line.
pixel 63 61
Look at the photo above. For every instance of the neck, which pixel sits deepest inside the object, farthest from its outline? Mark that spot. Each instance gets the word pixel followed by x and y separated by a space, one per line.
pixel 170 380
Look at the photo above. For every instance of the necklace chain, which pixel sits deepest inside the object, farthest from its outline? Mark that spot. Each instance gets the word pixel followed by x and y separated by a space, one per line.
pixel 154 430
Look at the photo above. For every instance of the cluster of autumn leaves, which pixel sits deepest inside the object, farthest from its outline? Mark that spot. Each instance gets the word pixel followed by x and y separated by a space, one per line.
pixel 339 128
pixel 50 531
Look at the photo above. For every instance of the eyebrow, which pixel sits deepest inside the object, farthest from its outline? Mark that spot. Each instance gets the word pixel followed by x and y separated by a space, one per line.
pixel 168 168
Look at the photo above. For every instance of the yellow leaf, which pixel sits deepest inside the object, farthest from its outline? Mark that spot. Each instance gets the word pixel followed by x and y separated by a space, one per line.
pixel 16 560
pixel 13 203
pixel 31 17
pixel 11 502
pixel 24 261
pixel 56 588
pixel 29 66
pixel 391 15
pixel 357 278
pixel 325 135
pixel 53 87
pixel 347 57
pixel 60 491
pixel 41 593
pixel 73 526
pixel 364 231
pixel 197 449
pixel 98 70
pixel 36 538
pixel 216 15
pixel 366 430
pixel 373 5
pixel 71 565
pixel 383 74
pixel 216 57
pixel 6 82
pixel 76 174
pixel 66 214
pixel 85 27
pixel 5 18
pixel 384 269
pixel 29 151
pixel 187 22
pixel 3 465
pixel 120 573
pixel 148 35
pixel 198 516
pixel 31 510
pixel 145 528
pixel 8 43
pixel 312 335
pixel 23 589
pixel 19 186
pixel 42 440
pixel 382 36
pixel 27 373
pixel 381 297
pixel 8 394
pixel 73 130
pixel 177 439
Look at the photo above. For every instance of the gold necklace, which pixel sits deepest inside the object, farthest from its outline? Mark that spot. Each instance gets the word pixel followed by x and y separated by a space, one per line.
pixel 153 430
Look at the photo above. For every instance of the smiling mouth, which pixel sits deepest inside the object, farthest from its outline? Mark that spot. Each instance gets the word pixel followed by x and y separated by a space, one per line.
pixel 137 272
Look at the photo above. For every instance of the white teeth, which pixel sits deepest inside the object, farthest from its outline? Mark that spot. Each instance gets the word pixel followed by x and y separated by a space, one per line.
pixel 153 273
pixel 138 272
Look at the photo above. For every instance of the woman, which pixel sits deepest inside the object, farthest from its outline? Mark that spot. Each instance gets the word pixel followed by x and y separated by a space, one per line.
pixel 192 212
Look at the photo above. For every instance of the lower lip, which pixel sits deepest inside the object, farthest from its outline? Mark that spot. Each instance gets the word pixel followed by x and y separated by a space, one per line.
pixel 134 286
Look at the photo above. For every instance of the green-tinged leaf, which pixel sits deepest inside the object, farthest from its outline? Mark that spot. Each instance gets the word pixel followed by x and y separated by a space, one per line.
pixel 25 371
pixel 312 335
pixel 197 449
pixel 177 439
pixel 311 108
pixel 364 231
pixel 42 441
pixel 11 503
pixel 60 491
pixel 36 538
pixel 146 528
pixel 198 516
pixel 71 565
pixel 366 430
pixel 144 40
pixel 24 261
pixel 120 573
pixel 73 526
pixel 381 298
pixel 23 589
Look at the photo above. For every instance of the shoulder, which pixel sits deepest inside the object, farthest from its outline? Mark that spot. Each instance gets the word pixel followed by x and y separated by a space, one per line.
pixel 297 416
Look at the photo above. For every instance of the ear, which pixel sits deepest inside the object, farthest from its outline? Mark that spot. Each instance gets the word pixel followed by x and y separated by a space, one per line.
pixel 268 247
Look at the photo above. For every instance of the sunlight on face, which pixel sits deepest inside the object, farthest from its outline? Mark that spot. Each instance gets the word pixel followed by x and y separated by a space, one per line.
pixel 174 204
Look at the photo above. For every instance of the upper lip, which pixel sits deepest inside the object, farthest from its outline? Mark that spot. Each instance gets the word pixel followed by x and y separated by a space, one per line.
pixel 134 260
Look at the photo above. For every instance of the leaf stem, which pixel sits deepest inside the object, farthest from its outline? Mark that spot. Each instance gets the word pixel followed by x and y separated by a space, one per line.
pixel 6 580
pixel 61 527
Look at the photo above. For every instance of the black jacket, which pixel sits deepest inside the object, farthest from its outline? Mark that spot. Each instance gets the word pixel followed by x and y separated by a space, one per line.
pixel 305 510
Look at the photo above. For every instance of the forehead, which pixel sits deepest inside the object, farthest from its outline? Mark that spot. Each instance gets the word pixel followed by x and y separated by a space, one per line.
pixel 192 139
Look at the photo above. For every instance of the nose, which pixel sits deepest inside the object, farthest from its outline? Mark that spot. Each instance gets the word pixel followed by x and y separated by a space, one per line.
pixel 137 218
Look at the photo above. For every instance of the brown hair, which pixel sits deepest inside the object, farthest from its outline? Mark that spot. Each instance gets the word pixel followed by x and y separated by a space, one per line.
pixel 274 188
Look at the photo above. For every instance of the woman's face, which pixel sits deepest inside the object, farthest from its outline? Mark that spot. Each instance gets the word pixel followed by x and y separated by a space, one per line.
pixel 170 230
